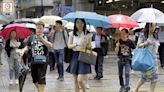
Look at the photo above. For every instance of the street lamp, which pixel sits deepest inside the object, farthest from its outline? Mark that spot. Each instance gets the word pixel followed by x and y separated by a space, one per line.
pixel 42 8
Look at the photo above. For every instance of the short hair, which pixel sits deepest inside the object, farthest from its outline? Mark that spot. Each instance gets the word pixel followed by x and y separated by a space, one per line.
pixel 59 21
pixel 126 30
pixel 100 28
pixel 40 23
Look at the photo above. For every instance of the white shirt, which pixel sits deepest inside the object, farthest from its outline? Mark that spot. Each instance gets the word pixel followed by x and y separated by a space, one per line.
pixel 79 40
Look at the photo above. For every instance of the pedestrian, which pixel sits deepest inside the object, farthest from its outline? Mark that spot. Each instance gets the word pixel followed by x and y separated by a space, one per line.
pixel 78 39
pixel 60 39
pixel 1 48
pixel 11 47
pixel 150 41
pixel 161 47
pixel 99 40
pixel 123 47
pixel 39 45
pixel 132 37
pixel 51 56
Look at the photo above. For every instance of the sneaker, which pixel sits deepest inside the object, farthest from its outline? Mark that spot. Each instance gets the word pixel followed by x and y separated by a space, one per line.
pixel 127 89
pixel 87 86
pixel 60 78
pixel 121 89
pixel 11 82
pixel 98 77
pixel 132 72
pixel 16 81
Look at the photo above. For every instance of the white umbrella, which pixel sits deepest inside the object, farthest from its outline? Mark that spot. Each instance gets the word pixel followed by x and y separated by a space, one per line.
pixel 30 25
pixel 141 25
pixel 35 19
pixel 50 20
pixel 70 25
pixel 148 15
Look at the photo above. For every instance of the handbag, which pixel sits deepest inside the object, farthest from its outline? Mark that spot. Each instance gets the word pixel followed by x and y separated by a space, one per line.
pixel 142 59
pixel 67 54
pixel 39 59
pixel 87 56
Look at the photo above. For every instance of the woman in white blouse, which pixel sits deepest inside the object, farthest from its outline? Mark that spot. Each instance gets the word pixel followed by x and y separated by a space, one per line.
pixel 79 38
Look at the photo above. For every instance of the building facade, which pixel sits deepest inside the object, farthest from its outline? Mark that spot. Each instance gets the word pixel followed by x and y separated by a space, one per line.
pixel 38 8
pixel 34 8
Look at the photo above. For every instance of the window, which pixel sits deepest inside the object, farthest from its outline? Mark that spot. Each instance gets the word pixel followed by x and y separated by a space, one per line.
pixel 68 2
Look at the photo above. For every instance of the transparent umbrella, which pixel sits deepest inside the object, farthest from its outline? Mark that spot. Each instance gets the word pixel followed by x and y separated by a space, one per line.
pixel 148 15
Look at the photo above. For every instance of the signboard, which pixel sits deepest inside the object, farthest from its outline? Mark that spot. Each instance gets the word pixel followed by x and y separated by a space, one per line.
pixel 64 9
pixel 8 8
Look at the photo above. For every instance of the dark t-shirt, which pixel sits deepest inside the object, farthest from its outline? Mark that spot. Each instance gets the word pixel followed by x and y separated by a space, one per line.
pixel 37 47
pixel 125 48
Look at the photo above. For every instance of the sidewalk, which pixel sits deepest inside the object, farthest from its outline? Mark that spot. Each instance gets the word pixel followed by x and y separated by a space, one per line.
pixel 109 83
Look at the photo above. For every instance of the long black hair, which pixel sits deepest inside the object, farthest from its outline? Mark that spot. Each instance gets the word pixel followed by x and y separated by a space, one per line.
pixel 146 31
pixel 75 28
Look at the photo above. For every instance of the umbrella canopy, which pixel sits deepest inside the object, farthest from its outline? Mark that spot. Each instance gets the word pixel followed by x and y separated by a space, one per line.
pixel 50 20
pixel 91 18
pixel 3 19
pixel 70 25
pixel 29 23
pixel 148 15
pixel 35 19
pixel 21 30
pixel 119 20
pixel 24 20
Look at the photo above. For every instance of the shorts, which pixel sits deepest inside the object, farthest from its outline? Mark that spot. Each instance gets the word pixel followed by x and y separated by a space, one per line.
pixel 38 73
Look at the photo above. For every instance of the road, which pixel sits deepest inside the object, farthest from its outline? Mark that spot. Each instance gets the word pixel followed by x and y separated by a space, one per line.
pixel 109 83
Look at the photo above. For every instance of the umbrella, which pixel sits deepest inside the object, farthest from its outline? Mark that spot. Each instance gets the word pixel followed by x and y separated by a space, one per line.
pixel 119 20
pixel 149 15
pixel 91 18
pixel 21 30
pixel 3 19
pixel 35 19
pixel 70 25
pixel 25 20
pixel 50 20
pixel 22 76
pixel 29 25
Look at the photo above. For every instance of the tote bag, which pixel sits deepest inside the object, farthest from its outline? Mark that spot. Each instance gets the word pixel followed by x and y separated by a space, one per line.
pixel 87 56
pixel 142 59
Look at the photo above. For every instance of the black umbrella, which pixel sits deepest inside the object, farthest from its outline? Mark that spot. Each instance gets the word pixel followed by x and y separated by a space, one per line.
pixel 22 76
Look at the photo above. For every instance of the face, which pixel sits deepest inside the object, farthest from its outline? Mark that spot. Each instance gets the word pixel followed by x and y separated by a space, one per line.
pixel 79 24
pixel 152 27
pixel 39 29
pixel 13 34
pixel 123 34
pixel 98 30
pixel 58 26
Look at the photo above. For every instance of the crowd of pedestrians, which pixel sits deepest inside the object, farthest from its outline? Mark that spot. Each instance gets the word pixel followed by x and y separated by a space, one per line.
pixel 52 47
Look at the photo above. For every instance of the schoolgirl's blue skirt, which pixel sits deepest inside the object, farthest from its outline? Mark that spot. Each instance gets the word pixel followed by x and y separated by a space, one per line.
pixel 77 67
